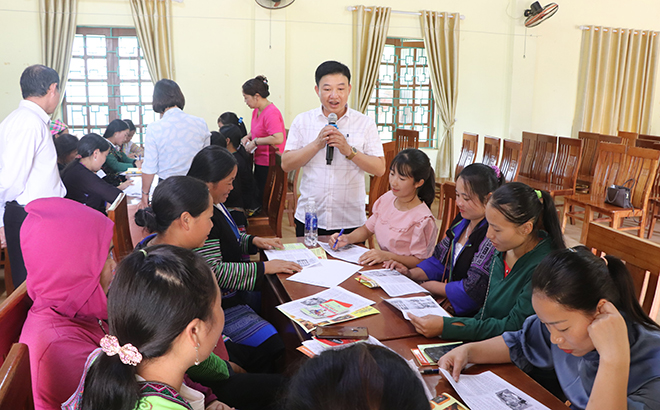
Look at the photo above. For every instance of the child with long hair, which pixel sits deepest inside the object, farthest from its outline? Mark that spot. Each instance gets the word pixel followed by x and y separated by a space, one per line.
pixel 458 269
pixel 524 228
pixel 589 328
pixel 401 219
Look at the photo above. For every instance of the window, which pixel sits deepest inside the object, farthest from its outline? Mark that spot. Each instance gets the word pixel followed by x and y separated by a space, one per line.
pixel 402 97
pixel 108 79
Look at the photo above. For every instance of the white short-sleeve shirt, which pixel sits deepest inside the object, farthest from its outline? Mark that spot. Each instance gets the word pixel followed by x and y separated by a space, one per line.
pixel 172 142
pixel 338 189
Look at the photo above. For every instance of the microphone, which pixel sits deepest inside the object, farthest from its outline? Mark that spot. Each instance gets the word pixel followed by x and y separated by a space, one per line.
pixel 330 151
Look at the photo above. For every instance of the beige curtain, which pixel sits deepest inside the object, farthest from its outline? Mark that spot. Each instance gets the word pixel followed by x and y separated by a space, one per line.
pixel 58 29
pixel 616 79
pixel 153 26
pixel 369 34
pixel 441 32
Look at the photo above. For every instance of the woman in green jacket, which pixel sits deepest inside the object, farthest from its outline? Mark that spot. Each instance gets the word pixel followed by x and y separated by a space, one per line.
pixel 117 161
pixel 524 228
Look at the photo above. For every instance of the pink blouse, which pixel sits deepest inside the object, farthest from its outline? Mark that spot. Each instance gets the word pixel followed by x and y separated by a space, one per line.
pixel 405 233
pixel 267 123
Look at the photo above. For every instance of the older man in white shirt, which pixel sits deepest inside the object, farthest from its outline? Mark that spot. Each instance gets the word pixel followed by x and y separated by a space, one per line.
pixel 28 160
pixel 337 188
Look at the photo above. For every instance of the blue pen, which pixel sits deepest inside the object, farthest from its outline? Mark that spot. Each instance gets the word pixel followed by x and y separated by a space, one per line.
pixel 337 241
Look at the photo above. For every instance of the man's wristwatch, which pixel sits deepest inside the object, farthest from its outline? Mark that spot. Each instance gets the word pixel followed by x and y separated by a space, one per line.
pixel 353 153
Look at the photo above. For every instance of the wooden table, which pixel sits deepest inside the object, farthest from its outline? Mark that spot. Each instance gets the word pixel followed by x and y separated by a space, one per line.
pixel 509 372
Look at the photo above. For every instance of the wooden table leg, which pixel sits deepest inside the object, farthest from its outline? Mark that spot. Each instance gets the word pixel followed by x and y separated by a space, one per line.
pixel 588 217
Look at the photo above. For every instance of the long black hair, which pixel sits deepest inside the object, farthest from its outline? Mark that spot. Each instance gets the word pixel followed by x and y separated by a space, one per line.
pixel 520 203
pixel 229 117
pixel 154 296
pixel 173 197
pixel 65 144
pixel 415 164
pixel 578 279
pixel 86 147
pixel 359 377
pixel 212 164
pixel 481 180
pixel 114 127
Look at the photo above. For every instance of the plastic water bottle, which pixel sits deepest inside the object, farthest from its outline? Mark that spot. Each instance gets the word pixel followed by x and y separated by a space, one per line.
pixel 311 224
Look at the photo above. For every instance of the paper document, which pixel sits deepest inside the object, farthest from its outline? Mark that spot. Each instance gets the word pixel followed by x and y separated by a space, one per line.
pixel 316 346
pixel 489 391
pixel 418 306
pixel 349 253
pixel 394 283
pixel 327 273
pixel 303 257
pixel 325 307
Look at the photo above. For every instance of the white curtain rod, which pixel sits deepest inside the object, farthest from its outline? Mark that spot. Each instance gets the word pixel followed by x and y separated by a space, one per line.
pixel 411 13
pixel 635 32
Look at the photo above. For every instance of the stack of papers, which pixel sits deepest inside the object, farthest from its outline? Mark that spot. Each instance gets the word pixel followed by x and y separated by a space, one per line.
pixel 418 306
pixel 394 283
pixel 315 346
pixel 326 273
pixel 489 391
pixel 333 305
pixel 349 253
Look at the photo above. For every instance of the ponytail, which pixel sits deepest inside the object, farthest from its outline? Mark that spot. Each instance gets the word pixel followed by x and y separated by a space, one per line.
pixel 156 293
pixel 549 221
pixel 520 203
pixel 229 117
pixel 577 279
pixel 110 384
pixel 173 197
pixel 627 302
pixel 415 164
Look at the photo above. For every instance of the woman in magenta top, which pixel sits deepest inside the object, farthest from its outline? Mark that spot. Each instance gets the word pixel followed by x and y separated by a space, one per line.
pixel 267 134
pixel 401 219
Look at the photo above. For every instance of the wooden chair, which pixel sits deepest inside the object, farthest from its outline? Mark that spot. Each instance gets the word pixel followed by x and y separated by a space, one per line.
pixel 654 200
pixel 651 144
pixel 649 137
pixel 563 177
pixel 292 195
pixel 544 157
pixel 641 165
pixel 510 162
pixel 491 150
pixel 447 210
pixel 379 185
pixel 406 139
pixel 4 262
pixel 642 259
pixel 590 146
pixel 121 231
pixel 468 152
pixel 13 312
pixel 261 218
pixel 628 138
pixel 528 150
pixel 15 380
pixel 272 226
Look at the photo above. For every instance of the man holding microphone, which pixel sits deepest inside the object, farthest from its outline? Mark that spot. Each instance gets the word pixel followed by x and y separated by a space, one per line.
pixel 334 154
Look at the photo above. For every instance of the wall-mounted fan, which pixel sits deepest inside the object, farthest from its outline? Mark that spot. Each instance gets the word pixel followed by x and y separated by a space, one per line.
pixel 274 4
pixel 537 14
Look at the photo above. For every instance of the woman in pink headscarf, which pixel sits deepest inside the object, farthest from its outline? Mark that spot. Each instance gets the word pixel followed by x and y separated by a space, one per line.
pixel 68 255
pixel 67 252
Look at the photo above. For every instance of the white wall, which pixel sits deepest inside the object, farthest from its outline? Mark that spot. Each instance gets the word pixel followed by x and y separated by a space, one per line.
pixel 510 79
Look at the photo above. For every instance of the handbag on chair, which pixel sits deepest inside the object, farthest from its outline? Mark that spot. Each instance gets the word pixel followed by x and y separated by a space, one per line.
pixel 619 195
